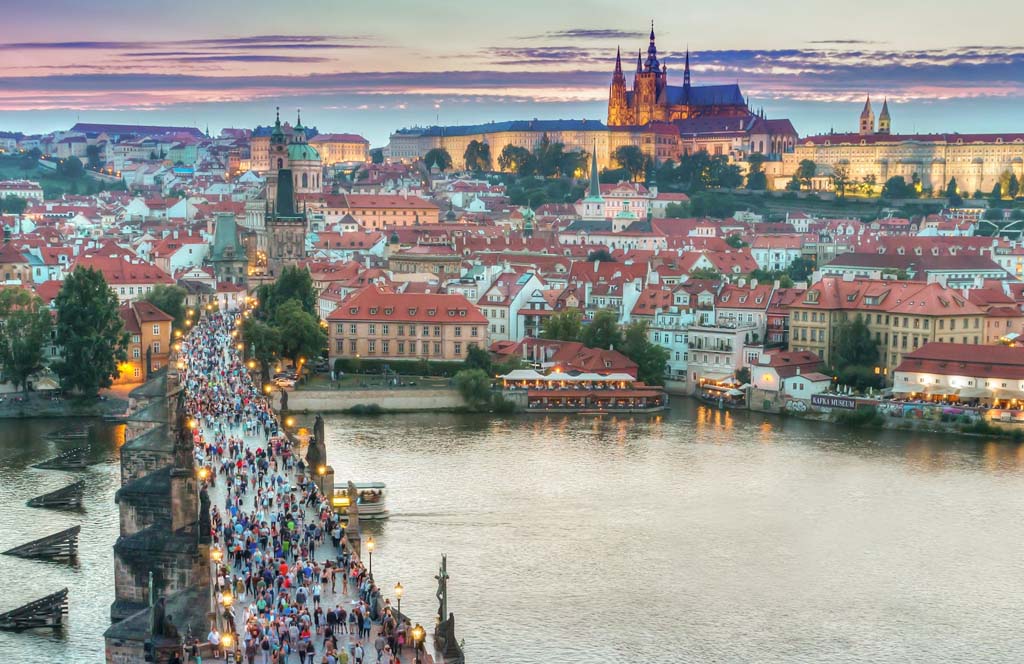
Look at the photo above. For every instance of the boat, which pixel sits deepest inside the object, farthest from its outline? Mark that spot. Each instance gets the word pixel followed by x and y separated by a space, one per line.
pixel 372 499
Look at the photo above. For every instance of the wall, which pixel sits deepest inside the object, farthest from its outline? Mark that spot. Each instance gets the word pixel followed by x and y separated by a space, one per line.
pixel 332 401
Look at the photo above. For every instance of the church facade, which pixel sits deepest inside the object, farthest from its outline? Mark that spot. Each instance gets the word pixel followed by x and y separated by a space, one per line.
pixel 652 99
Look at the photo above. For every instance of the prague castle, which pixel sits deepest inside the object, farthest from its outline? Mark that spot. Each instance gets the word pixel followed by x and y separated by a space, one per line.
pixel 976 161
pixel 652 99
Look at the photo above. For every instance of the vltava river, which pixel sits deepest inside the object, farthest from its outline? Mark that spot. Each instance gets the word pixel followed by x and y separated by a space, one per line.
pixel 695 537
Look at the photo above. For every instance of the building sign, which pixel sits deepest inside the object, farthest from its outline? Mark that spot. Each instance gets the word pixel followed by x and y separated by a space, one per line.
pixel 832 401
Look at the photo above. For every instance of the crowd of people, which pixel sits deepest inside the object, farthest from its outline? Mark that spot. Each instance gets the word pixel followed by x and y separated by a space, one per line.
pixel 280 550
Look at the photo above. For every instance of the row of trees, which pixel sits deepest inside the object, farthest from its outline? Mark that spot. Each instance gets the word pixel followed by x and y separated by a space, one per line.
pixel 285 324
pixel 604 331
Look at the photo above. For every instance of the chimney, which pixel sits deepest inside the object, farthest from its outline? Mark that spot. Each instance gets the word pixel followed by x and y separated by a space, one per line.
pixel 753 284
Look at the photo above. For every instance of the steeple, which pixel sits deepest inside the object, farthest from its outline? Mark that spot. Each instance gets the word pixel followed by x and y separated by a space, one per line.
pixel 595 182
pixel 652 54
pixel 884 121
pixel 639 62
pixel 277 135
pixel 686 69
pixel 867 118
pixel 618 61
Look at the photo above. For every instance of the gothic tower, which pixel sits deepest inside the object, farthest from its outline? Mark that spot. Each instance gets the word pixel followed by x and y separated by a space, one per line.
pixel 617 109
pixel 650 81
pixel 278 157
pixel 884 122
pixel 867 119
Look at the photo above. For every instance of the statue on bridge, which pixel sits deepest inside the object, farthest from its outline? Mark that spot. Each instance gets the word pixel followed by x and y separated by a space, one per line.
pixel 316 454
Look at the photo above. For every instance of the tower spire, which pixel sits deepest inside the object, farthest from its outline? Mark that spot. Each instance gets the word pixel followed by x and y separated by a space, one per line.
pixel 618 61
pixel 595 182
pixel 652 31
pixel 639 66
pixel 686 69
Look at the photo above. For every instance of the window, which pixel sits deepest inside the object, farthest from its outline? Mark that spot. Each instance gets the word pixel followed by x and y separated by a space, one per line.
pixel 426 331
pixel 437 348
pixel 373 328
pixel 156 329
pixel 135 339
pixel 472 331
pixel 385 346
pixel 458 349
pixel 352 346
pixel 137 373
pixel 156 347
pixel 372 347
pixel 401 330
pixel 136 353
pixel 458 331
pixel 437 330
pixel 340 345
pixel 384 329
pixel 340 328
pixel 401 348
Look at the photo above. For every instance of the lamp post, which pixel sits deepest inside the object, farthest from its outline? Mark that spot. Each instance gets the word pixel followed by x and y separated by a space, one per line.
pixel 370 544
pixel 417 640
pixel 398 593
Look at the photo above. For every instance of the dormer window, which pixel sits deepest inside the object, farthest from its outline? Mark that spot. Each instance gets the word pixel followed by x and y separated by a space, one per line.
pixel 431 312
pixel 373 311
pixel 354 310
pixel 388 311
pixel 412 311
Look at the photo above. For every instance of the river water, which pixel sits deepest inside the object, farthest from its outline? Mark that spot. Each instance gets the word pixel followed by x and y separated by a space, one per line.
pixel 694 536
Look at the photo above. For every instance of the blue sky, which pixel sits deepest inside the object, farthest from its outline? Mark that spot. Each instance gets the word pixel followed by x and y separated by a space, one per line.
pixel 371 67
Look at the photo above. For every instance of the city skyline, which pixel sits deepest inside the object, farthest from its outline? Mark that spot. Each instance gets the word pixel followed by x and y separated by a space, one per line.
pixel 371 71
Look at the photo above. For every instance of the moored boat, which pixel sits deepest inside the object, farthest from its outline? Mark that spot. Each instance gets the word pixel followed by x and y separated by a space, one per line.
pixel 372 499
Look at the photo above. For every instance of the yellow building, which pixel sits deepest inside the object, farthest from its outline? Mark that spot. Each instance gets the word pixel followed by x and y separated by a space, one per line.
pixel 341 148
pixel 977 161
pixel 149 343
pixel 900 315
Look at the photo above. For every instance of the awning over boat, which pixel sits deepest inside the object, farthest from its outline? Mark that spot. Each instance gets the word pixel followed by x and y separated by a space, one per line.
pixel 907 388
pixel 975 393
pixel 940 390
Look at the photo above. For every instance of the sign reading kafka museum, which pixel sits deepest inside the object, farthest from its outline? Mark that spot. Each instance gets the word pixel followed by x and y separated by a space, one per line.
pixel 832 401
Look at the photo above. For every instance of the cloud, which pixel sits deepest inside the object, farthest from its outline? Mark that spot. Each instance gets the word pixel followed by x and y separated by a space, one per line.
pixel 248 42
pixel 591 33
pixel 844 41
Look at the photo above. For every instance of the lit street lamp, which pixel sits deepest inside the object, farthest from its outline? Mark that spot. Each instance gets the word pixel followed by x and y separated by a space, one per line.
pixel 398 593
pixel 417 640
pixel 370 544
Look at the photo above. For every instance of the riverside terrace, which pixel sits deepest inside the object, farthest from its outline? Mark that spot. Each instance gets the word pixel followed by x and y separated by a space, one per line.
pixel 581 392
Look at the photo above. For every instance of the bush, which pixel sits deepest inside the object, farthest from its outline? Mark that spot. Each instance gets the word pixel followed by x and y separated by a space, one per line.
pixel 365 409
pixel 865 417
pixel 401 367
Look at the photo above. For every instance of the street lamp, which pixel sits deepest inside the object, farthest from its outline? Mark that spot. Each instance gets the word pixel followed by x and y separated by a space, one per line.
pixel 398 593
pixel 370 544
pixel 417 640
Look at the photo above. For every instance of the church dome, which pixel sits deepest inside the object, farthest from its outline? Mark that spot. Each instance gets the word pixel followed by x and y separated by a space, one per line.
pixel 302 152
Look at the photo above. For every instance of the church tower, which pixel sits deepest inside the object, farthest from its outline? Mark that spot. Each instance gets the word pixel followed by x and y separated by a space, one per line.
pixel 618 112
pixel 650 81
pixel 884 122
pixel 278 157
pixel 867 119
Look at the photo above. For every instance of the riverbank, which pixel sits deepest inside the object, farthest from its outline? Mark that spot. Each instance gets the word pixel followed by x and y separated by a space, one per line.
pixel 40 405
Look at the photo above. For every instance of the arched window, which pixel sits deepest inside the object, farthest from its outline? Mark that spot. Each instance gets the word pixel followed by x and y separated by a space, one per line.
pixel 305 180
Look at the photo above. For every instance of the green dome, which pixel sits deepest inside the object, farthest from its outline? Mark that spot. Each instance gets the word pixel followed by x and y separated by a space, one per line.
pixel 302 152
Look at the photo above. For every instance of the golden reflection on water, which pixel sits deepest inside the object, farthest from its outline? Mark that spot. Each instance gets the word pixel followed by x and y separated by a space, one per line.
pixel 120 435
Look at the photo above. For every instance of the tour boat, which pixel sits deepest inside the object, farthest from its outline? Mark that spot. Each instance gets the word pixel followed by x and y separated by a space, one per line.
pixel 372 499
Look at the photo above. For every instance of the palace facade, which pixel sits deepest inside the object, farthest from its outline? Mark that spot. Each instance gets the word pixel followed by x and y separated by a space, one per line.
pixel 976 160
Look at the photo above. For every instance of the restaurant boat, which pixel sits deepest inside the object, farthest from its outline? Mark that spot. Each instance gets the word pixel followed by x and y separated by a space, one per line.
pixel 372 500
pixel 559 392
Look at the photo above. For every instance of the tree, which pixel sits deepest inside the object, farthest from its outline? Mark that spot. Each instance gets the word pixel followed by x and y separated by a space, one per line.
pixel 1013 186
pixel 71 167
pixel 477 156
pixel 896 187
pixel 517 160
pixel 951 188
pixel 631 158
pixel 650 358
pixel 994 214
pixel 756 179
pixel 793 184
pixel 295 283
pixel 92 156
pixel 300 332
pixel 170 300
pixel 23 335
pixel 735 241
pixel 548 157
pixel 563 326
pixel 854 345
pixel 705 273
pixel 475 387
pixel 90 330
pixel 478 358
pixel 800 269
pixel 805 171
pixel 603 331
pixel 997 192
pixel 841 180
pixel 377 156
pixel 438 157
pixel 600 255
pixel 742 375
pixel 264 341
pixel 13 205
pixel 677 210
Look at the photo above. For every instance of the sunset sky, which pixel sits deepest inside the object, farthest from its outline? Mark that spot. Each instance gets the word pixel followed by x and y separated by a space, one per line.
pixel 371 67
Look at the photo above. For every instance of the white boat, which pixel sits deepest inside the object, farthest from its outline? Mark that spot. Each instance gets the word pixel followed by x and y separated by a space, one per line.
pixel 372 499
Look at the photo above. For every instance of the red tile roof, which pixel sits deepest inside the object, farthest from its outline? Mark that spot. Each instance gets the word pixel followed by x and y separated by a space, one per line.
pixel 374 304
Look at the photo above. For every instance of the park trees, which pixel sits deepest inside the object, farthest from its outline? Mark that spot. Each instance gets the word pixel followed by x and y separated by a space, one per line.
pixel 603 331
pixel 855 354
pixel 805 171
pixel 756 179
pixel 516 160
pixel 90 330
pixel 631 158
pixel 23 335
pixel 650 358
pixel 301 334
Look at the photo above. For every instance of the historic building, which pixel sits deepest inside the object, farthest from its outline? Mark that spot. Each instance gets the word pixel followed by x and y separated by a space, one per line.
pixel 228 256
pixel 652 99
pixel 296 155
pixel 286 228
pixel 976 161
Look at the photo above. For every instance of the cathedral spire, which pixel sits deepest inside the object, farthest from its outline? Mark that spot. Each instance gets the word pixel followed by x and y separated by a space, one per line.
pixel 686 69
pixel 639 61
pixel 595 182
pixel 652 31
pixel 618 61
